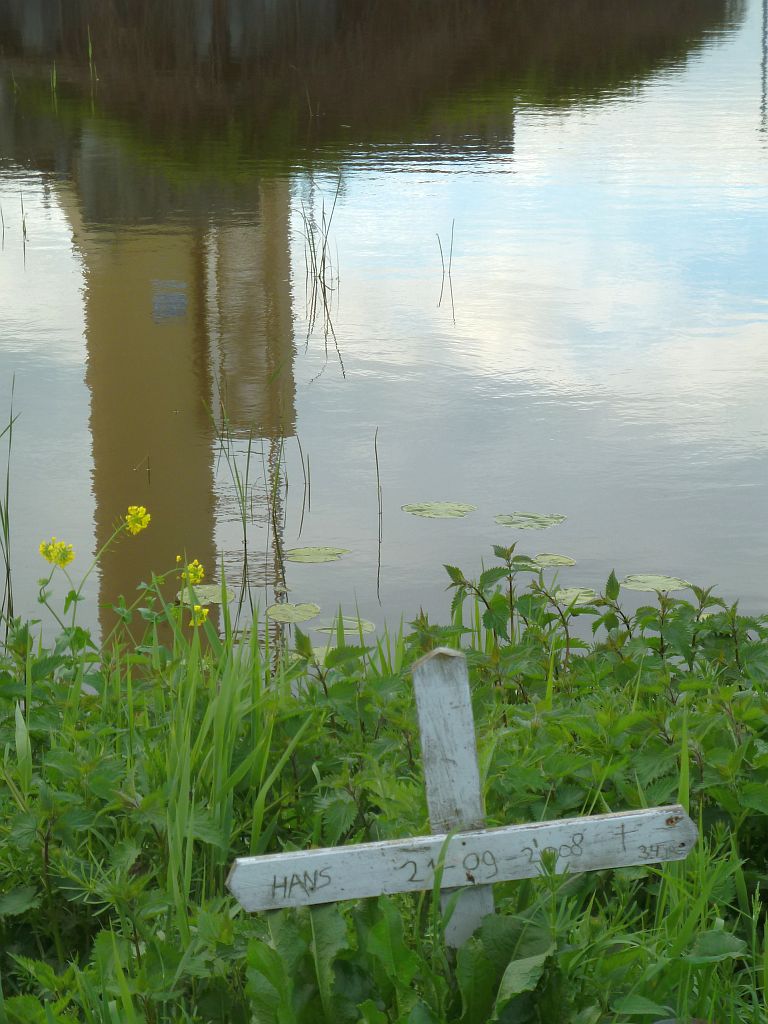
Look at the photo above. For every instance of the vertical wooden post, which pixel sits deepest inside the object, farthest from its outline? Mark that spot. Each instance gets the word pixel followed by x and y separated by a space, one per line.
pixel 449 754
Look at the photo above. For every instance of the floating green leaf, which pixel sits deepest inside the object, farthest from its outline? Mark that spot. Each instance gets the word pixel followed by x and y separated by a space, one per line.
pixel 293 612
pixel 439 509
pixel 575 595
pixel 531 520
pixel 205 593
pixel 349 624
pixel 649 581
pixel 314 554
pixel 549 561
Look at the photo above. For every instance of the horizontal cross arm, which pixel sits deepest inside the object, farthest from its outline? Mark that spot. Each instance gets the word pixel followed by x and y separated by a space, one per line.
pixel 478 857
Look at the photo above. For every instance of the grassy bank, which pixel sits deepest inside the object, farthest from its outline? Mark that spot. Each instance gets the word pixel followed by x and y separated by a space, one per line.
pixel 132 776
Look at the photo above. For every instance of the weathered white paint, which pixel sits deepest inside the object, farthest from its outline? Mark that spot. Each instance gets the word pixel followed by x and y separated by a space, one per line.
pixel 451 774
pixel 474 858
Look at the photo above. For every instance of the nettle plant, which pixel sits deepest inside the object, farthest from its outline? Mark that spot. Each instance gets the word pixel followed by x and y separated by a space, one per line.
pixel 516 604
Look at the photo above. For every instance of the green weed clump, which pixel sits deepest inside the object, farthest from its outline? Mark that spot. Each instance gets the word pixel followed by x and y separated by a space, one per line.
pixel 133 774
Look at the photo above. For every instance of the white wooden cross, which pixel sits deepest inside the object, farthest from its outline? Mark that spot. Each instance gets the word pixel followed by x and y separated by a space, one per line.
pixel 471 856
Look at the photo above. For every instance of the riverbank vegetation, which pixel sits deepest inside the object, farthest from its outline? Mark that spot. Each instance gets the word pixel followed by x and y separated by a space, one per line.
pixel 133 774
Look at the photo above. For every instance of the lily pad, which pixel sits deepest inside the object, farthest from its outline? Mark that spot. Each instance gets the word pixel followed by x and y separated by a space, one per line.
pixel 439 509
pixel 524 563
pixel 349 624
pixel 314 554
pixel 531 520
pixel 575 595
pixel 550 561
pixel 293 612
pixel 205 593
pixel 650 581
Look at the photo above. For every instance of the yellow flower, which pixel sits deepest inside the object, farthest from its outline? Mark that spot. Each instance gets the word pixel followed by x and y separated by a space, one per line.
pixel 57 552
pixel 199 615
pixel 137 519
pixel 194 573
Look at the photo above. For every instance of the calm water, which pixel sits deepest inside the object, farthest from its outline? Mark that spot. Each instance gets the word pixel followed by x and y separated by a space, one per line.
pixel 600 348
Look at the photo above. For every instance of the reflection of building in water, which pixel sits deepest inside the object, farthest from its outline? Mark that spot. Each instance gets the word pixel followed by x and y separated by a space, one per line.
pixel 181 305
pixel 247 296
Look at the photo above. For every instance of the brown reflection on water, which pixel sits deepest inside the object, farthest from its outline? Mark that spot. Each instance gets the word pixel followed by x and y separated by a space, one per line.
pixel 179 313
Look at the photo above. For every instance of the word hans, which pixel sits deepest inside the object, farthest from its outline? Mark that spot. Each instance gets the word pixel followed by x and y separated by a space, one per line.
pixel 306 883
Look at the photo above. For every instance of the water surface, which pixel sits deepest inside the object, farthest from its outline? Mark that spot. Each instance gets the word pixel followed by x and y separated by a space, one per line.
pixel 599 348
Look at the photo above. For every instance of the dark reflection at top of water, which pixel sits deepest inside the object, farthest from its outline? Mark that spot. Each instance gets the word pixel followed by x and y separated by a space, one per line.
pixel 309 75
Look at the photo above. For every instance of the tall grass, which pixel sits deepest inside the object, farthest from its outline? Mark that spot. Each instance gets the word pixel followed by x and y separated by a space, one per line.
pixel 135 774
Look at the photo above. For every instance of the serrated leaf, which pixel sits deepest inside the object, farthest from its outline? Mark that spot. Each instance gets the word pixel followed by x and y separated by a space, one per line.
pixel 439 509
pixel 531 520
pixel 303 644
pixel 754 795
pixel 18 900
pixel 457 576
pixel 612 587
pixel 338 814
pixel 293 612
pixel 491 576
pixel 312 555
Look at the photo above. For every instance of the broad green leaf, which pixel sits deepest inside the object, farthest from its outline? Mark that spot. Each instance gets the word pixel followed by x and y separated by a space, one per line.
pixel 575 595
pixel 521 976
pixel 293 612
pixel 386 942
pixel 420 1014
pixel 371 1014
pixel 713 946
pixel 531 520
pixel 754 795
pixel 314 554
pixel 205 593
pixel 639 1005
pixel 652 582
pixel 269 985
pixel 439 509
pixel 612 587
pixel 551 561
pixel 349 624
pixel 329 938
pixel 18 900
pixel 477 977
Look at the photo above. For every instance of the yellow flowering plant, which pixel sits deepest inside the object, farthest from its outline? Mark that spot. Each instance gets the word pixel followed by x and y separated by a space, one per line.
pixel 136 519
pixel 59 554
pixel 199 615
pixel 193 573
